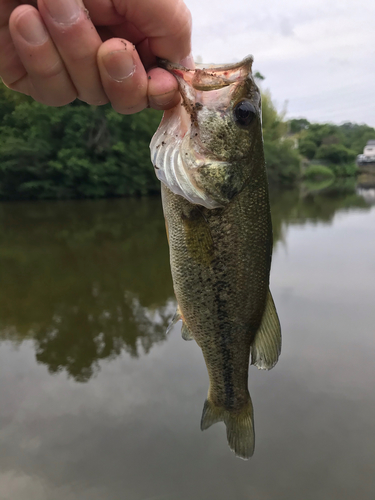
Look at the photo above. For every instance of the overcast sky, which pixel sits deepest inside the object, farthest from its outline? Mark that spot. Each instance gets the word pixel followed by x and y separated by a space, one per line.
pixel 318 56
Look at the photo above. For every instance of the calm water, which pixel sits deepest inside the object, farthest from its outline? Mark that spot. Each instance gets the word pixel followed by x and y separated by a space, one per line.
pixel 97 403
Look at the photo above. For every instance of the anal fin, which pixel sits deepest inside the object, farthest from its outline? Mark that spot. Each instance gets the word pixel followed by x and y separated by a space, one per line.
pixel 185 332
pixel 266 347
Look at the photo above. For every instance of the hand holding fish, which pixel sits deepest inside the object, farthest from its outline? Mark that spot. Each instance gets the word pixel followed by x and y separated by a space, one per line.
pixel 99 51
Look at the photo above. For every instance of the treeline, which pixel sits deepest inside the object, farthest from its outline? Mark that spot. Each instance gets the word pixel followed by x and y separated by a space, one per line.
pixel 81 151
pixel 76 151
pixel 330 149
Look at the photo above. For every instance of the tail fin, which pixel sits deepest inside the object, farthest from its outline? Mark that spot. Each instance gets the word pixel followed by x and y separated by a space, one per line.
pixel 240 426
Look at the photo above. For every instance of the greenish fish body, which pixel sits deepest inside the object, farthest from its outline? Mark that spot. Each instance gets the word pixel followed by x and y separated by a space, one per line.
pixel 208 153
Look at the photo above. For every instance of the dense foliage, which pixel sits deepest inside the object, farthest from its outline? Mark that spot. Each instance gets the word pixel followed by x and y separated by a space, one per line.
pixel 282 159
pixel 335 145
pixel 73 152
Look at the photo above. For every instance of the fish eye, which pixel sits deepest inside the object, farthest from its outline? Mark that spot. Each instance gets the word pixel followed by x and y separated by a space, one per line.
pixel 244 113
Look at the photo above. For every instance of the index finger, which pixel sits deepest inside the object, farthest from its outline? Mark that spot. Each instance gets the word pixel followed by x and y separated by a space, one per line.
pixel 166 23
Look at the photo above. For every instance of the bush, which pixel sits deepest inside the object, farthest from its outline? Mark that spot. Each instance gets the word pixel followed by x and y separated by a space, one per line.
pixel 307 148
pixel 316 172
pixel 282 161
pixel 335 153
pixel 344 170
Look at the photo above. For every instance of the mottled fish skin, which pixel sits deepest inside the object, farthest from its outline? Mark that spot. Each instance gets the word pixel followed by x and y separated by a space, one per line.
pixel 220 262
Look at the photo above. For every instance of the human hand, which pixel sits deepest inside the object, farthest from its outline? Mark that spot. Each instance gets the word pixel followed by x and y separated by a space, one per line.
pixel 58 50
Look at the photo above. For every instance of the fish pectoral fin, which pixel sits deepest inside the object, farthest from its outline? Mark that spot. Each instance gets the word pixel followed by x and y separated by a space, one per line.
pixel 185 332
pixel 239 424
pixel 176 318
pixel 266 347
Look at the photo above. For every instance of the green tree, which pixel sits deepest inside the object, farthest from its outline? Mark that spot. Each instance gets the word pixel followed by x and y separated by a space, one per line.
pixel 296 125
pixel 307 148
pixel 75 151
pixel 282 159
pixel 356 136
pixel 335 153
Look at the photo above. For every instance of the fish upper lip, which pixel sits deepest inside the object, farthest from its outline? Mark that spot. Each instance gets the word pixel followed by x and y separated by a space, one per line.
pixel 170 66
pixel 210 77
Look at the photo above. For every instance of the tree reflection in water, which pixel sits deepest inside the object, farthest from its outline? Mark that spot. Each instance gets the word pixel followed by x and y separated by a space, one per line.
pixel 86 280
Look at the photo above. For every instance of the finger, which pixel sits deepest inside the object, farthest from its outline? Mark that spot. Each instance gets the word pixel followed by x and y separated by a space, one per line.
pixel 123 76
pixel 77 42
pixel 11 67
pixel 45 77
pixel 167 23
pixel 162 89
pixel 162 86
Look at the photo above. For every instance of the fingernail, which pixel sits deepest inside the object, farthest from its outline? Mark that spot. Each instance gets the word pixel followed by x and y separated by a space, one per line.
pixel 64 11
pixel 32 29
pixel 119 65
pixel 188 62
pixel 163 99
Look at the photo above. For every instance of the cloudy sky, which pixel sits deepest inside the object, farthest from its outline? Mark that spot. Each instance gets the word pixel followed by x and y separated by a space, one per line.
pixel 318 56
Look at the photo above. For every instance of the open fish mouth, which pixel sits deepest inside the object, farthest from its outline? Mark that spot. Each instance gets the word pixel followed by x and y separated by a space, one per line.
pixel 183 149
pixel 210 77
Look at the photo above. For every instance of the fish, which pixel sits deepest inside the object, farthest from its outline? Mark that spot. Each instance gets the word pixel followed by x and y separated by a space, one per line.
pixel 208 155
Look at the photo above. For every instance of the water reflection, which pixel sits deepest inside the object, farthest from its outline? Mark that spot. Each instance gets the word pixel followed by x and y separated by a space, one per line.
pixel 313 203
pixel 366 187
pixel 80 278
pixel 82 282
pixel 87 280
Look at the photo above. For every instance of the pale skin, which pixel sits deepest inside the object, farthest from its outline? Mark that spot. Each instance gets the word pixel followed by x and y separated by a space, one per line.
pixel 98 51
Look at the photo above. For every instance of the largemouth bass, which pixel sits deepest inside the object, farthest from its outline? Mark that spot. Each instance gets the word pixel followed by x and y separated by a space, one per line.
pixel 208 154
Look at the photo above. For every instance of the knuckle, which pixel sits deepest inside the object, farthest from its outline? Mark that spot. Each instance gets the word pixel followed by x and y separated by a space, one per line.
pixel 83 57
pixel 47 71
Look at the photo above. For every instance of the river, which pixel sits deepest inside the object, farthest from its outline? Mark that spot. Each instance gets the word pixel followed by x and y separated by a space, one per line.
pixel 97 402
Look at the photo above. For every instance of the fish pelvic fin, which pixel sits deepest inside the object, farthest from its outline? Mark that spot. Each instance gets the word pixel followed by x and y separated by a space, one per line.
pixel 185 332
pixel 176 318
pixel 239 424
pixel 266 347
